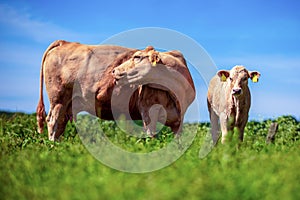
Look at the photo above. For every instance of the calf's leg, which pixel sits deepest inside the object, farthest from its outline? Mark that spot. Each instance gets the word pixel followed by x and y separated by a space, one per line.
pixel 215 128
pixel 224 127
pixel 241 128
pixel 227 125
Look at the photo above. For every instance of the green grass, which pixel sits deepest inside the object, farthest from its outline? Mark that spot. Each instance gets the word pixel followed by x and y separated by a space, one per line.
pixel 31 167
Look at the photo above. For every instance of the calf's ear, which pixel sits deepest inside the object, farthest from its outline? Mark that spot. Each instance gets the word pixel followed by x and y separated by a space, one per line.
pixel 254 76
pixel 223 74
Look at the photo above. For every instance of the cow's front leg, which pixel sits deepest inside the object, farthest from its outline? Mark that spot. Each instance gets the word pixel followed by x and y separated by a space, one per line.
pixel 150 119
pixel 148 124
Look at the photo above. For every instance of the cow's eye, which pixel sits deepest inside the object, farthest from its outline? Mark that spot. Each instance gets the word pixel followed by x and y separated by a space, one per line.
pixel 244 79
pixel 230 78
pixel 137 59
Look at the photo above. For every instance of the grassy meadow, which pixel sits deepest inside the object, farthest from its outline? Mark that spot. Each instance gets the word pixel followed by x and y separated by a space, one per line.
pixel 32 167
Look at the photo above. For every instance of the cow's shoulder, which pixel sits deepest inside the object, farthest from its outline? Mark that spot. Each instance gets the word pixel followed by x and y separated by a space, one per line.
pixel 171 56
pixel 122 57
pixel 175 60
pixel 175 53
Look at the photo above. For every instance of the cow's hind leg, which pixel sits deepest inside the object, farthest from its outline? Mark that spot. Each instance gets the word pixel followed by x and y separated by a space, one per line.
pixel 56 121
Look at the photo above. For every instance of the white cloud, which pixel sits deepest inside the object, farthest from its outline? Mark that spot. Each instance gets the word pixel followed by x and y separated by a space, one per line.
pixel 22 23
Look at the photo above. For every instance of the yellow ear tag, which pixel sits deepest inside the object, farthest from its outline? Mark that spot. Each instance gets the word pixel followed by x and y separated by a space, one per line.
pixel 255 79
pixel 154 63
pixel 223 78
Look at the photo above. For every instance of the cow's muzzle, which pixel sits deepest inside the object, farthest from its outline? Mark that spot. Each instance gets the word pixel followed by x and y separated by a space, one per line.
pixel 237 91
pixel 124 76
pixel 117 75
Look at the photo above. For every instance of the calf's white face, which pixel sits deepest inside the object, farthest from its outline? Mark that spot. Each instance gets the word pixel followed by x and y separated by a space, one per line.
pixel 237 78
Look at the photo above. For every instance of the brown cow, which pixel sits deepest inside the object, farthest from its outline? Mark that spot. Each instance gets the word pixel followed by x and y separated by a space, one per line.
pixel 167 90
pixel 79 78
pixel 229 100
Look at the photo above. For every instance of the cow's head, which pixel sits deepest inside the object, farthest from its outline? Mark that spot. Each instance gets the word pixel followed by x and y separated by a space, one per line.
pixel 161 70
pixel 237 78
pixel 137 66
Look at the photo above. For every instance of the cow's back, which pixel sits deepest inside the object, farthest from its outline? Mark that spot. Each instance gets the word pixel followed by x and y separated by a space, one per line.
pixel 70 63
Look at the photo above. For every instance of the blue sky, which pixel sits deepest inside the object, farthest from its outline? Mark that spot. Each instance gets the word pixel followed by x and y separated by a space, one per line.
pixel 261 35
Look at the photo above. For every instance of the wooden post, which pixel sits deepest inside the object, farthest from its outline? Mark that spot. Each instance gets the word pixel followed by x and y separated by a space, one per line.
pixel 272 132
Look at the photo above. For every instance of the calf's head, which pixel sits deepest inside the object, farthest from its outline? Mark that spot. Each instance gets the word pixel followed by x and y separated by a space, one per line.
pixel 237 78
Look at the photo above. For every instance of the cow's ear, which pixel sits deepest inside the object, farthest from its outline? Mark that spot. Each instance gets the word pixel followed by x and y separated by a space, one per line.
pixel 223 74
pixel 254 76
pixel 154 58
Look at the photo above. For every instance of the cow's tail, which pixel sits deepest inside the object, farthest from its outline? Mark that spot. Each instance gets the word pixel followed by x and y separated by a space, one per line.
pixel 40 110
